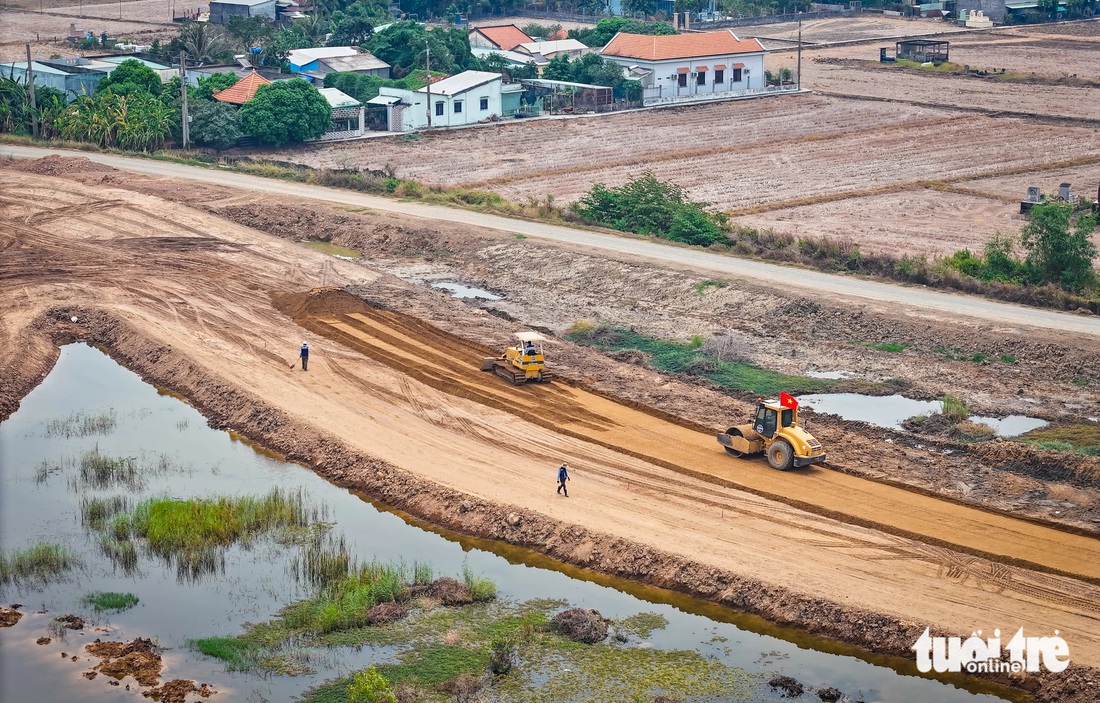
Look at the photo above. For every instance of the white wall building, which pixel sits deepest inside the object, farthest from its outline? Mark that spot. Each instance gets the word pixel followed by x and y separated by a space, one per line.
pixel 685 66
pixel 466 98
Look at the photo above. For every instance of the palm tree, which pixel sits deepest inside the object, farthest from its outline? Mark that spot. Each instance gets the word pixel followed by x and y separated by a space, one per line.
pixel 202 42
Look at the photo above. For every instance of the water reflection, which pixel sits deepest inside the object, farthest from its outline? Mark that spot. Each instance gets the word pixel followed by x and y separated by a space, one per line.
pixel 253 581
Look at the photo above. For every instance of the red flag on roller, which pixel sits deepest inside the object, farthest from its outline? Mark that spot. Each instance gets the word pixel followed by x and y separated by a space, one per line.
pixel 788 401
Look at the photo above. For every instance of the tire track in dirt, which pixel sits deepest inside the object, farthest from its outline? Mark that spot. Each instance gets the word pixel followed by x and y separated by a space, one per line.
pixel 450 365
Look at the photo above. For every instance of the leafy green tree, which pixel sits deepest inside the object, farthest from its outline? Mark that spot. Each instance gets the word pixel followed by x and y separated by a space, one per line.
pixel 638 7
pixel 607 28
pixel 646 205
pixel 354 25
pixel 1058 246
pixel 559 69
pixel 131 76
pixel 247 32
pixel 208 85
pixel 286 111
pixel 216 124
pixel 404 44
pixel 596 70
pixel 495 63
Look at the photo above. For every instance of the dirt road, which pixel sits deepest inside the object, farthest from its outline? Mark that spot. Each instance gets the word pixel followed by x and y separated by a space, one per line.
pixel 396 408
pixel 918 300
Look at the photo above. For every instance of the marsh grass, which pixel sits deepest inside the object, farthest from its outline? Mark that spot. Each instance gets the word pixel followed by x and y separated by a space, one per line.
pixel 480 588
pixel 675 357
pixel 1082 437
pixel 95 512
pixel 36 565
pixel 344 603
pixel 110 600
pixel 954 408
pixel 442 649
pixel 193 534
pixel 83 424
pixel 122 553
pixel 237 654
pixel 101 471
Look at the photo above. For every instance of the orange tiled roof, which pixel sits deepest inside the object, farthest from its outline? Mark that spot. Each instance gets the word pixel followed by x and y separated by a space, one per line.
pixel 506 36
pixel 243 90
pixel 679 46
pixel 558 35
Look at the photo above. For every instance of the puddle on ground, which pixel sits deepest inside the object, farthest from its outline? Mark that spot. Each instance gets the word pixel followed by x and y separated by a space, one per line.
pixel 891 410
pixel 460 291
pixel 90 403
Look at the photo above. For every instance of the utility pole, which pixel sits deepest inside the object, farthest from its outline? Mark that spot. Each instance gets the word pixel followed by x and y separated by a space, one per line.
pixel 428 77
pixel 183 95
pixel 798 75
pixel 30 88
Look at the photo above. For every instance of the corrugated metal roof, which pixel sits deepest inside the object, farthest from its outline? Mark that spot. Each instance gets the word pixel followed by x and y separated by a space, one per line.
pixel 338 98
pixel 511 56
pixel 119 59
pixel 300 57
pixel 553 47
pixel 246 3
pixel 358 62
pixel 5 68
pixel 467 80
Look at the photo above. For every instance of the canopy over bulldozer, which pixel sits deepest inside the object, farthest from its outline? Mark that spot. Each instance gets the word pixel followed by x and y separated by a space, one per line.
pixel 775 431
pixel 522 362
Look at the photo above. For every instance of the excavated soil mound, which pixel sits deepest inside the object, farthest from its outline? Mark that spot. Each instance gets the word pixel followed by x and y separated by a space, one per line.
pixel 581 625
pixel 138 659
pixel 71 622
pixel 63 166
pixel 1042 464
pixel 450 591
pixel 386 612
pixel 176 691
pixel 787 686
pixel 9 616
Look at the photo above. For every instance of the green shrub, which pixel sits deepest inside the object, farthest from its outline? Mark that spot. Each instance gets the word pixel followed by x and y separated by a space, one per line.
pixel 646 205
pixel 1008 358
pixel 369 686
pixel 954 408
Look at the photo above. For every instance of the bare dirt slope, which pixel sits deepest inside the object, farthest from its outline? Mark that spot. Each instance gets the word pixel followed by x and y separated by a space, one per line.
pixel 216 311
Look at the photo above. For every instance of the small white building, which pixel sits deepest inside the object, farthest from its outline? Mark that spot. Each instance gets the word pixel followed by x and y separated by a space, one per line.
pixel 689 66
pixel 549 49
pixel 466 98
pixel 347 115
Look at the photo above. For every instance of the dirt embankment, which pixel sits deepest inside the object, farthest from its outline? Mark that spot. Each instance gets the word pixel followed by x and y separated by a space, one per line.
pixel 184 299
pixel 227 407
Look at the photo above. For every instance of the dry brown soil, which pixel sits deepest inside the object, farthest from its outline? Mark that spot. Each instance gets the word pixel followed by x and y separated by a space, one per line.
pixel 393 405
pixel 895 161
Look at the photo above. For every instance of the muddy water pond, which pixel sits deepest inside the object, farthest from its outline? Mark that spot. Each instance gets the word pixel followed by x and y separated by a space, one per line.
pixel 89 405
pixel 891 410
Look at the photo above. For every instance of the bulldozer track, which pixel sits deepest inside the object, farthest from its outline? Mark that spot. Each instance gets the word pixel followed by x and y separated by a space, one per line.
pixel 451 365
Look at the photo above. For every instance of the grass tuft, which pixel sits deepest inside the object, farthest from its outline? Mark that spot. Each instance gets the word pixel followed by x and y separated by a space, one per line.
pixel 36 565
pixel 674 357
pixel 954 408
pixel 110 600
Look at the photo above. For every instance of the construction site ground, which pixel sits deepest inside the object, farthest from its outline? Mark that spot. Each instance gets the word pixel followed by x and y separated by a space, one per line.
pixel 208 291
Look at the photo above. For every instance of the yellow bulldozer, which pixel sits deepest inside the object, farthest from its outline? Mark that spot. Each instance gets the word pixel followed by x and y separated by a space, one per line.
pixel 522 362
pixel 775 432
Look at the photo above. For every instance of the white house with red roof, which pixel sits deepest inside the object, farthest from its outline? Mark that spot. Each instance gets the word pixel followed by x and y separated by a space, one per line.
pixel 689 66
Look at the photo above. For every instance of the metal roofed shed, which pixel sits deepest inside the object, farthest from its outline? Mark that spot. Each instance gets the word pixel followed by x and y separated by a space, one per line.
pixel 222 10
pixel 565 96
pixel 465 81
pixel 922 50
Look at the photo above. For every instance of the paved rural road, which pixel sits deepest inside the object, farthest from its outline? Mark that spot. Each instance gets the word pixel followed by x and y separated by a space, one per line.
pixel 933 302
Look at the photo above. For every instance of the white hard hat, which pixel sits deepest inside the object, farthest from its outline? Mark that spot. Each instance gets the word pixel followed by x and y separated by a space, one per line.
pixel 305 344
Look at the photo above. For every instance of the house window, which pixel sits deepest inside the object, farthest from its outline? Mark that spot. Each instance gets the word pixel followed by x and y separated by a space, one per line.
pixel 719 76
pixel 736 75
pixel 458 106
pixel 439 109
pixel 683 80
pixel 701 78
pixel 485 103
